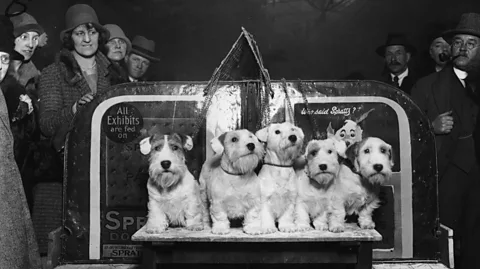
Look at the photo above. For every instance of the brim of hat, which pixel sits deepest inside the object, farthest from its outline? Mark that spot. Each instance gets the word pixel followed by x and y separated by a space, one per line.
pixel 145 55
pixel 28 28
pixel 448 35
pixel 410 49
pixel 99 27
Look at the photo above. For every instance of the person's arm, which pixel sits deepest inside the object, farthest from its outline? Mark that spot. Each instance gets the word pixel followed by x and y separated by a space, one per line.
pixel 53 111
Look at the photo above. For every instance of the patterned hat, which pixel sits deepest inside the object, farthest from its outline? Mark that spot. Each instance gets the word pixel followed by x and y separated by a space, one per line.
pixel 25 23
pixel 469 24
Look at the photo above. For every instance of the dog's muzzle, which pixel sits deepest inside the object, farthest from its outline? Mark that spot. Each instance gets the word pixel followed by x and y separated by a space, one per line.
pixel 251 146
pixel 323 167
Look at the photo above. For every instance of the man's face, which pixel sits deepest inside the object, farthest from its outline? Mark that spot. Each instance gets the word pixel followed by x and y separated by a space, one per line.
pixel 396 59
pixel 117 49
pixel 4 61
pixel 137 65
pixel 437 47
pixel 466 52
pixel 26 44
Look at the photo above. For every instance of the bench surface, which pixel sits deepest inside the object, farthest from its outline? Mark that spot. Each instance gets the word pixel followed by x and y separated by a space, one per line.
pixel 352 233
pixel 409 266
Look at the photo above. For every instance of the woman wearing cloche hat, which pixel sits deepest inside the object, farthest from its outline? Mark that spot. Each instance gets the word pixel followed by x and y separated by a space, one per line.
pixel 78 74
pixel 117 47
pixel 18 247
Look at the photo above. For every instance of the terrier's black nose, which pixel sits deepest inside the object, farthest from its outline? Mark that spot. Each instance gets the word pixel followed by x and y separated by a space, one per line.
pixel 293 138
pixel 348 143
pixel 166 164
pixel 251 146
pixel 323 167
pixel 378 167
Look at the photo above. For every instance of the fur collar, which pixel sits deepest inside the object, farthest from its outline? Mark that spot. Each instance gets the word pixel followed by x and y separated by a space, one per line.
pixel 70 70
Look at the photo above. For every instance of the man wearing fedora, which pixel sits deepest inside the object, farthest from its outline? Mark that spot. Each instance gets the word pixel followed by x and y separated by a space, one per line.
pixel 397 52
pixel 447 99
pixel 139 58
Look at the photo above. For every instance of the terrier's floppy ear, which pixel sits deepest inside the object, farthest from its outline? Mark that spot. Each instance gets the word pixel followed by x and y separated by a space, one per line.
pixel 217 143
pixel 390 155
pixel 330 131
pixel 145 146
pixel 341 148
pixel 188 142
pixel 352 153
pixel 262 134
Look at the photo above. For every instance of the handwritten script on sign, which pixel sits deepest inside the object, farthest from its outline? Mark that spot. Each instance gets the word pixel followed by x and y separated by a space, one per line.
pixel 334 110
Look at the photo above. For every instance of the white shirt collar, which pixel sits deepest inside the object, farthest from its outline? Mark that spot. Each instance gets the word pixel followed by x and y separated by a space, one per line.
pixel 461 75
pixel 403 75
pixel 132 79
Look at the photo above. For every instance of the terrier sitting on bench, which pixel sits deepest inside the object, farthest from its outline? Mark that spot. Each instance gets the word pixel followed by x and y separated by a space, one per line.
pixel 284 142
pixel 173 193
pixel 317 199
pixel 229 184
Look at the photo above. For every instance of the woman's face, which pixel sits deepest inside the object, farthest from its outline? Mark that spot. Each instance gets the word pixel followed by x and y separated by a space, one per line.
pixel 117 49
pixel 85 40
pixel 4 61
pixel 26 44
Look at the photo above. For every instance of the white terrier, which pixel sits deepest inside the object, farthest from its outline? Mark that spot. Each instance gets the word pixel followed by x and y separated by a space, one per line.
pixel 317 201
pixel 173 193
pixel 284 143
pixel 372 163
pixel 229 184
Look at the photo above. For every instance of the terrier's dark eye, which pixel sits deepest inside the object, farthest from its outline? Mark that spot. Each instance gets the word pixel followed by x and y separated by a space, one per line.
pixel 383 150
pixel 158 148
pixel 330 151
pixel 366 151
pixel 234 139
pixel 175 147
pixel 313 153
pixel 342 135
pixel 277 132
pixel 352 135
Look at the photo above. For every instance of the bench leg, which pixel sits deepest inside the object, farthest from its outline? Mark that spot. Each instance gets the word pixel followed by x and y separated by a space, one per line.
pixel 365 253
pixel 149 260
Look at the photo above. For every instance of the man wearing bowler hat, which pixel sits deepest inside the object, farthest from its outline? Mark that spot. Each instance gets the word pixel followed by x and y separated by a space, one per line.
pixel 397 52
pixel 447 98
pixel 139 59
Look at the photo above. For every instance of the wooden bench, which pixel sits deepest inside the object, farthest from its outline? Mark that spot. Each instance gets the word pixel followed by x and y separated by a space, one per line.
pixel 180 246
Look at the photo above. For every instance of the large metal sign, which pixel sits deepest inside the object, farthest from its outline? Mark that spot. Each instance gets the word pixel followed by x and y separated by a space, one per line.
pixel 106 176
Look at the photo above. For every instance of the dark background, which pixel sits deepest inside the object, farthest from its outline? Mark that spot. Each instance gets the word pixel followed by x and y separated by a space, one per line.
pixel 297 38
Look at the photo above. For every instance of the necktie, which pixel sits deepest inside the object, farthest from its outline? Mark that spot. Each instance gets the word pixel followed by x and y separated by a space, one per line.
pixel 395 82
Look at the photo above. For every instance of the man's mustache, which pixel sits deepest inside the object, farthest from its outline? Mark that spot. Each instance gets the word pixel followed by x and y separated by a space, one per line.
pixel 393 63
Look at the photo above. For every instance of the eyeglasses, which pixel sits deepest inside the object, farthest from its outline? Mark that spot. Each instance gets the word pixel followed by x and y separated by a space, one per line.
pixel 5 59
pixel 458 43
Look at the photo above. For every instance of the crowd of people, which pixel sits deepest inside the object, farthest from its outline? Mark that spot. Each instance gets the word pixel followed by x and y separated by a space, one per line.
pixel 37 109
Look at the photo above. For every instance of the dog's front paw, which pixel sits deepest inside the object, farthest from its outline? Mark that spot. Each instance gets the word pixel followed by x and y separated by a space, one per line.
pixel 254 230
pixel 320 226
pixel 336 228
pixel 156 229
pixel 367 224
pixel 289 228
pixel 304 228
pixel 195 227
pixel 220 229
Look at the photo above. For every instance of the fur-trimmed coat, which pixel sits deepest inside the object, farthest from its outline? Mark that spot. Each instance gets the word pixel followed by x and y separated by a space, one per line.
pixel 18 246
pixel 61 85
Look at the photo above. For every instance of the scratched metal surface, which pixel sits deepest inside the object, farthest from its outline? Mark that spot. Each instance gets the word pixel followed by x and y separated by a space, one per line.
pixel 226 114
